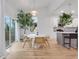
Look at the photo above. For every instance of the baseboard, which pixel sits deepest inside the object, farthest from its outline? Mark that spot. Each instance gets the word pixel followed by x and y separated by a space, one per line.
pixel 3 57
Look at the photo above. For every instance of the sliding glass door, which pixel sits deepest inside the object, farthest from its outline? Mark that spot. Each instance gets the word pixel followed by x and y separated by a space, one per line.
pixel 7 35
pixel 9 31
pixel 12 31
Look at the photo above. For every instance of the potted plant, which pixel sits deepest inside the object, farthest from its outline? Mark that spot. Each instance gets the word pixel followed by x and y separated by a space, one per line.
pixel 25 21
pixel 65 19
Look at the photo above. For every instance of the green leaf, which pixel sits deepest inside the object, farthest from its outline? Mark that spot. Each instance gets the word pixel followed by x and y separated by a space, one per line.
pixel 25 20
pixel 65 19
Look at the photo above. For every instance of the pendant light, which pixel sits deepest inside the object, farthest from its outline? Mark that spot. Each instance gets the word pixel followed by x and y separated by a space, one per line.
pixel 33 11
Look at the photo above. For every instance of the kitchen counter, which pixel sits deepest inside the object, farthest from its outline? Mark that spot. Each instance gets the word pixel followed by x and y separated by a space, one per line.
pixel 66 32
pixel 60 39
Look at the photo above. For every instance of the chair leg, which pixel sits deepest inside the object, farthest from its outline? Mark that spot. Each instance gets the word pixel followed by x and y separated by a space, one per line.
pixel 47 43
pixel 69 42
pixel 64 42
pixel 44 44
pixel 30 43
pixel 24 44
pixel 77 43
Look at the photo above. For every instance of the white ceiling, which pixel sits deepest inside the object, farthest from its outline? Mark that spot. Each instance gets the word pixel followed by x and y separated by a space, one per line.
pixel 44 7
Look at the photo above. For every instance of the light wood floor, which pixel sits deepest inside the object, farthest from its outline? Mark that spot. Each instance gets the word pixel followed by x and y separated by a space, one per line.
pixel 55 51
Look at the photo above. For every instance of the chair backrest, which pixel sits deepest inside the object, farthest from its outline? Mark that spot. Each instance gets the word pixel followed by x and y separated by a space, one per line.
pixel 40 40
pixel 26 38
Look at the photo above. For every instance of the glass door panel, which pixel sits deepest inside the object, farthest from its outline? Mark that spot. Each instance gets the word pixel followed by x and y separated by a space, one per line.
pixel 9 31
pixel 12 31
pixel 7 35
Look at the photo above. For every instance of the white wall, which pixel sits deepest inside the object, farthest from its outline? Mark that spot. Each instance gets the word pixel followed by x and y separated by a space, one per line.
pixel 46 25
pixel 53 23
pixel 2 31
pixel 9 10
pixel 43 25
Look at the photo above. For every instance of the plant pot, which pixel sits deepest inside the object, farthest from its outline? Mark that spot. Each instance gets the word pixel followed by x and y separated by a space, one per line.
pixel 60 25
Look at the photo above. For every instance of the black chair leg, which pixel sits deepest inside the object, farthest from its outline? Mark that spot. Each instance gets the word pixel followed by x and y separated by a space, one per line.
pixel 69 43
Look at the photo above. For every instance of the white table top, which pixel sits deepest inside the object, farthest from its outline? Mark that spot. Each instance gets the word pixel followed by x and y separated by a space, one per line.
pixel 34 35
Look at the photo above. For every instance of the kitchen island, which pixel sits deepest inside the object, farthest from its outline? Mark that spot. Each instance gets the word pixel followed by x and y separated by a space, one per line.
pixel 60 39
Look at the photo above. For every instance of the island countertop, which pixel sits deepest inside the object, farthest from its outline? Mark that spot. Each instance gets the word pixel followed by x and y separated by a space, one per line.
pixel 67 32
pixel 60 38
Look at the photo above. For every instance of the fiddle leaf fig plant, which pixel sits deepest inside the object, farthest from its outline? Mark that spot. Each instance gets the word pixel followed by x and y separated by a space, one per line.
pixel 25 20
pixel 65 19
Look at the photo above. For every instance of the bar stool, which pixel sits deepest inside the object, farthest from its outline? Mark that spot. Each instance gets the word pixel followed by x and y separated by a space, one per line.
pixel 66 37
pixel 69 36
pixel 74 36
